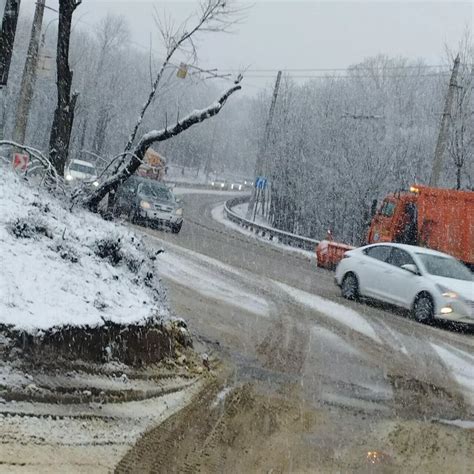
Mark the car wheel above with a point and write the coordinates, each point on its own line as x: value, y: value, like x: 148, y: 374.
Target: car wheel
x: 350, y: 287
x: 176, y: 228
x: 423, y: 308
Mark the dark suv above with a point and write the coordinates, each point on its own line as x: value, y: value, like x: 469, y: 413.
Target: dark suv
x: 147, y: 201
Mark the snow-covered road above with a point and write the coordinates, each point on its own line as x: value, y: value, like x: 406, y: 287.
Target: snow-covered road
x: 383, y: 380
x: 373, y: 353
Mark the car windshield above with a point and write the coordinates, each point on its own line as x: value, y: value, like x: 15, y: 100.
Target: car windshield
x: 445, y: 267
x: 86, y: 169
x: 159, y: 192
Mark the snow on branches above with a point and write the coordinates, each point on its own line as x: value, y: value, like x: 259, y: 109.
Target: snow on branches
x: 136, y: 157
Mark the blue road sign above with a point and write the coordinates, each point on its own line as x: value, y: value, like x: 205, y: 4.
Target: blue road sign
x: 261, y: 182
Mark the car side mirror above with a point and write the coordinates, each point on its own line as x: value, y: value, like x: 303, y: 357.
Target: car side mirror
x: 410, y: 267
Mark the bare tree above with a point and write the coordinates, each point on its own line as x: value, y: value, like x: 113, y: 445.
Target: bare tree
x: 112, y: 34
x: 64, y: 113
x: 213, y: 16
x: 461, y: 124
x: 156, y: 136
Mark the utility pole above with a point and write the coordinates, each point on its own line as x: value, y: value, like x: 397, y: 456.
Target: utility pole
x: 444, y: 127
x: 29, y: 75
x: 7, y: 38
x: 261, y: 165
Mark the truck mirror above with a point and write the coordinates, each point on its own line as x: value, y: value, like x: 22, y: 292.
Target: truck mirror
x: 373, y: 209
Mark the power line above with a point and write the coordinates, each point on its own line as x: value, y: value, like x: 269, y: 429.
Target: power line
x: 348, y: 76
x: 352, y: 68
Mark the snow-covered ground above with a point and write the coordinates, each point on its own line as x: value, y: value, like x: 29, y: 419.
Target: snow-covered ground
x: 87, y: 437
x: 242, y: 209
x: 69, y: 267
x: 338, y: 312
x: 461, y: 366
x: 209, y: 282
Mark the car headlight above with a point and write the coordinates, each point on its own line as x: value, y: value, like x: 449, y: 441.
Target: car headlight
x: 212, y: 183
x: 95, y: 183
x: 222, y: 185
x: 145, y: 205
x: 446, y: 292
x: 179, y: 212
x: 69, y: 177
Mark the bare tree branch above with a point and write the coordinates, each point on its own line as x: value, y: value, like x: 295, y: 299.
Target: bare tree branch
x: 148, y: 139
x: 212, y: 18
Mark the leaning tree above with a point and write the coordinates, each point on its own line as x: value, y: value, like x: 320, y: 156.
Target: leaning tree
x: 213, y: 16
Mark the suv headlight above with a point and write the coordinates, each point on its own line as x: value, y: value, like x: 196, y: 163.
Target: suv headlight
x: 446, y: 292
x: 95, y: 183
x: 145, y: 205
x: 179, y: 212
x: 69, y: 177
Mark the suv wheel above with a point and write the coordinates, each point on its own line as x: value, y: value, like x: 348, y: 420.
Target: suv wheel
x: 350, y: 287
x: 423, y: 308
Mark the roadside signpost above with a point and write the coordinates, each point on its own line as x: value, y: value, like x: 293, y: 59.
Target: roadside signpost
x: 261, y: 183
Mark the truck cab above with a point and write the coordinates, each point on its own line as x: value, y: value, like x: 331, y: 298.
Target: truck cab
x: 395, y: 221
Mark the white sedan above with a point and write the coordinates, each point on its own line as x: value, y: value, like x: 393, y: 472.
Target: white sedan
x: 430, y: 284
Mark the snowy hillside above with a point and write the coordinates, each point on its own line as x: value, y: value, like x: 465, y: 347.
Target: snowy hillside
x: 70, y: 268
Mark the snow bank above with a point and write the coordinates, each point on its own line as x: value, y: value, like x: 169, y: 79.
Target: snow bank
x: 461, y: 367
x: 338, y: 312
x: 211, y: 283
x: 69, y: 268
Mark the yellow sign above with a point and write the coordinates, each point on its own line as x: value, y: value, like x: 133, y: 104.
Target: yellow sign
x: 182, y: 71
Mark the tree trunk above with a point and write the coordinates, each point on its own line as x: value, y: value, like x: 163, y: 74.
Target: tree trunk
x: 64, y: 113
x: 458, y: 176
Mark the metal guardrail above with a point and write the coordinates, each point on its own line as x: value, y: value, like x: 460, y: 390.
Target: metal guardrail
x: 183, y: 184
x: 206, y: 186
x: 286, y: 238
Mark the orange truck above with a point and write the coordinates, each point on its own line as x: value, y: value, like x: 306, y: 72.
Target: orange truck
x: 440, y: 219
x: 153, y: 167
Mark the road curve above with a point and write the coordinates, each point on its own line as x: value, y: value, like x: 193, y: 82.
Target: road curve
x: 373, y: 371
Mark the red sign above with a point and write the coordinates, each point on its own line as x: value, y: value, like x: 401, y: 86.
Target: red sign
x: 20, y: 162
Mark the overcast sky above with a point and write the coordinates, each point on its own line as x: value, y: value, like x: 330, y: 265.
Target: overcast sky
x: 302, y: 35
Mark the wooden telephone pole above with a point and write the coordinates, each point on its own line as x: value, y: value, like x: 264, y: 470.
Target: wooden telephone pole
x: 29, y: 75
x: 261, y: 165
x: 444, y: 127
